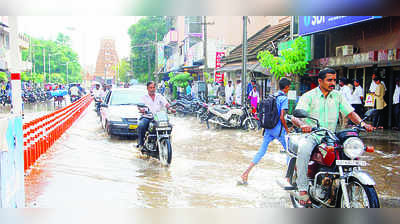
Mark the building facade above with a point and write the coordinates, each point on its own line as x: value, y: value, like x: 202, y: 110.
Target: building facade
x: 355, y: 46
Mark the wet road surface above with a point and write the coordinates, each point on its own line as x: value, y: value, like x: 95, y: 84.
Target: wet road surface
x: 87, y: 168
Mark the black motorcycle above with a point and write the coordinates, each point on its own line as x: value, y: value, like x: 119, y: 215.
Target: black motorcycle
x: 157, y: 140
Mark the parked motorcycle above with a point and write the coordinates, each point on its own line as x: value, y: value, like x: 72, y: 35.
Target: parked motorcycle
x: 184, y: 106
x: 235, y: 117
x: 157, y: 141
x: 334, y: 172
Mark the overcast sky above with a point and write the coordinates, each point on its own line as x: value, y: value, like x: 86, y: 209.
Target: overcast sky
x: 85, y: 32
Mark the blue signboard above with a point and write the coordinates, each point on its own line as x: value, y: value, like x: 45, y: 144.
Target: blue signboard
x: 314, y: 24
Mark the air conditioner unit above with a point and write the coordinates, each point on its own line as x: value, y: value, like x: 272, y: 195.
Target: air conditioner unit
x: 344, y: 50
x: 339, y: 51
x: 347, y: 50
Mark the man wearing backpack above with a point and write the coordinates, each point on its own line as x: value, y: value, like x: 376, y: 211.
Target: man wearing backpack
x: 278, y: 105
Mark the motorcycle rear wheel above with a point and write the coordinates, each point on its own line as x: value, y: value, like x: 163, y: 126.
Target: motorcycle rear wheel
x: 360, y: 195
x: 165, y: 152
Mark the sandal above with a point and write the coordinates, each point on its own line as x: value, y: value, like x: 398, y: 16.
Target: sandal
x: 304, y: 199
x: 241, y: 183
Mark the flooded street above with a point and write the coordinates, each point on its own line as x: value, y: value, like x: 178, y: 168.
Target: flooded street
x: 85, y: 167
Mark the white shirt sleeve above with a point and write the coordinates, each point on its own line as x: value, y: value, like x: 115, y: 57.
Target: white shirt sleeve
x: 163, y: 101
x: 372, y: 88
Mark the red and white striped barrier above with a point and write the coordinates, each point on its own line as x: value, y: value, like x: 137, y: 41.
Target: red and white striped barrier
x: 41, y: 133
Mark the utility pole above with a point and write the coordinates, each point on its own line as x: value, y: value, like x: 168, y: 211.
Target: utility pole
x: 149, y: 67
x: 156, y: 60
x: 205, y: 46
x: 44, y: 65
x: 105, y: 67
x: 244, y: 60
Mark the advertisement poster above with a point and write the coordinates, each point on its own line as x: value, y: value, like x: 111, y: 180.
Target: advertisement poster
x: 369, y: 100
x: 219, y: 76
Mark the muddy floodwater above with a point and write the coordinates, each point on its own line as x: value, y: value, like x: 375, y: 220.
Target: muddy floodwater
x: 86, y: 167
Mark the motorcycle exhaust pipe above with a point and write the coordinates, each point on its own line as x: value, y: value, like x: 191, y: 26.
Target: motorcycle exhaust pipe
x: 217, y: 122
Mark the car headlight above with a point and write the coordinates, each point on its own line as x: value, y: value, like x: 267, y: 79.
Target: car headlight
x: 353, y: 147
x: 115, y: 118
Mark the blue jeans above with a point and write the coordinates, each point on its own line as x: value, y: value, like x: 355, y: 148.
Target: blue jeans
x: 143, y: 126
x: 264, y: 146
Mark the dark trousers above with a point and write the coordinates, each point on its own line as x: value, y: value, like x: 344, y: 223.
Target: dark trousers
x: 358, y: 108
x: 378, y: 118
x: 397, y: 115
x: 143, y: 126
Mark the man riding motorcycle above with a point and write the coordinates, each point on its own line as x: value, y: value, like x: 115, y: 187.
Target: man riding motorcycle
x: 74, y: 93
x: 155, y: 102
x: 324, y: 103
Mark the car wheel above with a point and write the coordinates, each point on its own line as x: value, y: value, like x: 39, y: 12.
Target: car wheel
x: 108, y: 128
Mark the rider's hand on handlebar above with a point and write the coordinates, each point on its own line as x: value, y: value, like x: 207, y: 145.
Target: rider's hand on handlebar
x: 305, y: 128
x: 142, y: 110
x: 172, y: 110
x: 368, y: 127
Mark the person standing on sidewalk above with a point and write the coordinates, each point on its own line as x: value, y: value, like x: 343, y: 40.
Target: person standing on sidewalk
x: 346, y: 92
x: 238, y: 93
x: 278, y: 132
x: 356, y: 98
x: 372, y: 87
x: 380, y: 102
x: 396, y: 104
x: 229, y: 93
x: 221, y: 93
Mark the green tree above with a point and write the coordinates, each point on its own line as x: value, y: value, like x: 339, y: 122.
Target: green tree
x: 124, y: 70
x: 179, y: 80
x: 61, y: 54
x: 208, y: 78
x: 291, y: 61
x: 24, y: 77
x: 3, y: 76
x: 143, y: 35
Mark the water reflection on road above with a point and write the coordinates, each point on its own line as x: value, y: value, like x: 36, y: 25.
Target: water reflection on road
x: 88, y: 168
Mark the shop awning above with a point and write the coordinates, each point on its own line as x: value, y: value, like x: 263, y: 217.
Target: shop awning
x: 252, y: 67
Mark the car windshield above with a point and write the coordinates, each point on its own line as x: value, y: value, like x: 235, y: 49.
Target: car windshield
x: 126, y: 97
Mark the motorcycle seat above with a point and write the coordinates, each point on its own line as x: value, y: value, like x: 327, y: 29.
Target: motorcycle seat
x: 222, y: 110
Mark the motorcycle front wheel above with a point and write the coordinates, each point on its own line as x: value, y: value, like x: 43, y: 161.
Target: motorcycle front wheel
x: 360, y: 195
x: 250, y: 124
x: 165, y: 152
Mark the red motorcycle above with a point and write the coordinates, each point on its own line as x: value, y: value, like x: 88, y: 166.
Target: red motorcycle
x: 334, y: 173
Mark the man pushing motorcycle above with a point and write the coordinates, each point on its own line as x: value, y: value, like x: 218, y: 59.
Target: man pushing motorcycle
x: 155, y: 102
x: 323, y: 103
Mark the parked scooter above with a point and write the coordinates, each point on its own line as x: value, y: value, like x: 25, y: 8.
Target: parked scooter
x: 239, y: 117
x: 334, y: 172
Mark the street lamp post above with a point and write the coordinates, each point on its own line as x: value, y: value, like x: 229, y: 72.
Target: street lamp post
x: 49, y: 64
x: 67, y: 64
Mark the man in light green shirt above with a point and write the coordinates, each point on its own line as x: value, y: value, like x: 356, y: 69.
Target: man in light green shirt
x: 323, y: 103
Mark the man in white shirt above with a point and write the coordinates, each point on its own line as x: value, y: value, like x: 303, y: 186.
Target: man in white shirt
x: 238, y: 93
x: 346, y: 92
x: 74, y: 91
x: 396, y: 103
x: 356, y: 98
x: 155, y: 102
x: 372, y: 87
x: 229, y: 92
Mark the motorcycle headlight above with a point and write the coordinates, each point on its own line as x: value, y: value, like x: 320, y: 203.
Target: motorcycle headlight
x: 163, y: 123
x: 353, y: 147
x: 115, y: 118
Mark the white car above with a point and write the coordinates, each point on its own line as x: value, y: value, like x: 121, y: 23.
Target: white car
x: 119, y: 113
